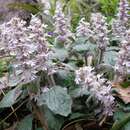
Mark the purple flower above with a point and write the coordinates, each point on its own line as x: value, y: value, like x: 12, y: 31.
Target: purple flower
x: 62, y: 24
x: 100, y: 30
x: 98, y: 87
x: 27, y: 46
x: 123, y: 11
x: 84, y: 29
x: 51, y: 33
x: 119, y: 26
x: 122, y: 67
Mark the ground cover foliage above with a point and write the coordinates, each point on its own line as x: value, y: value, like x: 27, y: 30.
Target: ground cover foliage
x: 67, y: 65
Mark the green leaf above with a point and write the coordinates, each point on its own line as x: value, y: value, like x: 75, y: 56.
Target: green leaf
x: 127, y: 126
x: 54, y: 121
x: 65, y: 79
x: 63, y: 74
x: 118, y: 125
x: 25, y: 124
x: 84, y: 47
x: 110, y: 57
x: 60, y: 54
x: 113, y: 48
x: 57, y: 100
x: 78, y: 92
x: 118, y: 115
x: 109, y: 8
x: 10, y: 98
x: 80, y: 40
x: 125, y: 84
x: 122, y: 121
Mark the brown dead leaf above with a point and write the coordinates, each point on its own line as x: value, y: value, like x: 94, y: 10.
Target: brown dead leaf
x: 123, y: 93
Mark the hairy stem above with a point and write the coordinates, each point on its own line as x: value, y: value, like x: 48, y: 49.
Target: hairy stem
x: 40, y: 116
x: 100, y: 56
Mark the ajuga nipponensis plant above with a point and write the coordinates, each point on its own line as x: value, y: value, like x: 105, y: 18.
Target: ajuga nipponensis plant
x: 26, y: 45
x: 99, y: 25
x: 122, y: 66
x: 84, y: 29
x: 119, y: 26
x: 122, y: 14
x: 99, y: 88
x: 62, y: 24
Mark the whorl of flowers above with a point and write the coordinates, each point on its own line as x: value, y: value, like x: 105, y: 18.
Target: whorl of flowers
x: 83, y: 29
x: 99, y: 26
x: 97, y: 86
x: 26, y: 45
x: 119, y: 30
x: 120, y: 23
x: 122, y: 66
x: 123, y: 11
x: 62, y: 24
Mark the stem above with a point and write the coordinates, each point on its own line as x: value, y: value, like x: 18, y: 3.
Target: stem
x: 103, y: 120
x: 100, y: 56
x: 40, y: 116
x: 52, y: 80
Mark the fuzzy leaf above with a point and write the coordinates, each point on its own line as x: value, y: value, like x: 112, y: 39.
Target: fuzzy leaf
x: 110, y: 57
x: 10, y: 98
x: 127, y: 126
x: 60, y: 54
x: 57, y: 100
x: 25, y: 124
x: 84, y: 47
x: 122, y: 121
x: 54, y: 121
x: 78, y: 92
